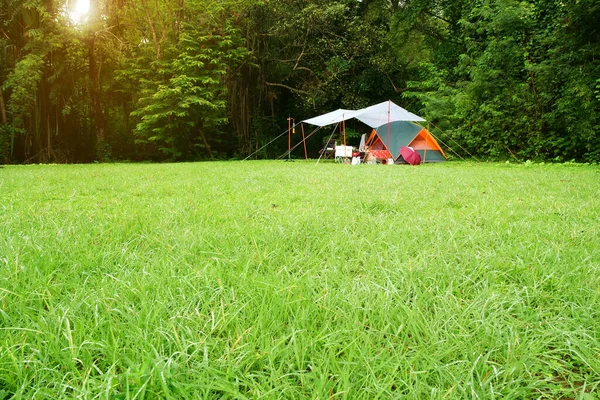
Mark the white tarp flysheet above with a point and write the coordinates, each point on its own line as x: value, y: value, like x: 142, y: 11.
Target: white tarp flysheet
x: 332, y: 117
x: 374, y: 116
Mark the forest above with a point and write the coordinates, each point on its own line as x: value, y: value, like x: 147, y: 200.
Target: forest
x: 184, y: 80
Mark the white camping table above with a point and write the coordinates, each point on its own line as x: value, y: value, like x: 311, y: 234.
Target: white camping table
x: 343, y: 151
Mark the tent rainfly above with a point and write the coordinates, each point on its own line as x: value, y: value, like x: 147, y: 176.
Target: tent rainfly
x: 393, y: 128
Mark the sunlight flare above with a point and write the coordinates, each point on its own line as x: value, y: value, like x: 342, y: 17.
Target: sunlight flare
x: 80, y: 11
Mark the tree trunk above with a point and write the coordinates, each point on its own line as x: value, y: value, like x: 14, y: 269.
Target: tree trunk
x: 153, y: 30
x: 48, y: 134
x: 179, y: 18
x: 95, y: 66
x: 206, y: 145
x: 4, y: 120
x: 45, y: 109
x: 2, y: 108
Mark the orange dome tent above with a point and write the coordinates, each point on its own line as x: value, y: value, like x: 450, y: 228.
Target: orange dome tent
x: 386, y: 140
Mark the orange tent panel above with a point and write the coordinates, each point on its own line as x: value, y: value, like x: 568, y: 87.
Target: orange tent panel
x: 424, y: 141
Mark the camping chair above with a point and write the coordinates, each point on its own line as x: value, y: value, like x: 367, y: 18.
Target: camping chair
x: 328, y: 149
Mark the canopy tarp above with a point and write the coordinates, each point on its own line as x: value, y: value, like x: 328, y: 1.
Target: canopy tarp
x: 332, y: 117
x: 374, y: 116
x: 377, y: 115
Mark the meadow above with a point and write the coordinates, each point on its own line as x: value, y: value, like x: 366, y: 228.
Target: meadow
x: 271, y: 279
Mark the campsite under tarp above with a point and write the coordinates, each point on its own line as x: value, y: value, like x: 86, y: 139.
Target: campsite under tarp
x: 404, y: 133
x: 393, y: 128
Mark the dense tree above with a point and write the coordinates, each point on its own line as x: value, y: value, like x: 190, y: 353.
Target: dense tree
x: 316, y: 56
x: 523, y: 84
x: 190, y: 101
x: 193, y: 79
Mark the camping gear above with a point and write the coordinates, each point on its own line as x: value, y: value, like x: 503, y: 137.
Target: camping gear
x: 410, y: 155
x: 332, y: 117
x: 381, y: 154
x: 373, y: 116
x: 328, y: 149
x: 361, y: 146
x: 393, y: 136
x: 385, y: 112
x: 343, y: 152
x: 393, y: 128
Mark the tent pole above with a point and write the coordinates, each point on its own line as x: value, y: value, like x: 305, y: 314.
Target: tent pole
x: 289, y: 138
x: 304, y: 141
x: 291, y: 130
x: 332, y: 133
x: 389, y: 139
x: 307, y: 137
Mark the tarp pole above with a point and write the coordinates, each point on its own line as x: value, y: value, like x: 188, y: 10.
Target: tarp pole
x: 332, y: 133
x: 300, y: 142
x: 389, y: 134
x: 304, y: 141
x: 289, y: 138
x: 344, y: 125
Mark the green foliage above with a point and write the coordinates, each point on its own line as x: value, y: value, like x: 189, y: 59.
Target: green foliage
x: 331, y: 54
x: 103, y: 151
x: 195, y: 79
x: 522, y: 86
x: 192, y: 99
x: 23, y: 82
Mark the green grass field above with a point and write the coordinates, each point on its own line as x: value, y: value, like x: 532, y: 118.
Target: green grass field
x: 296, y: 280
